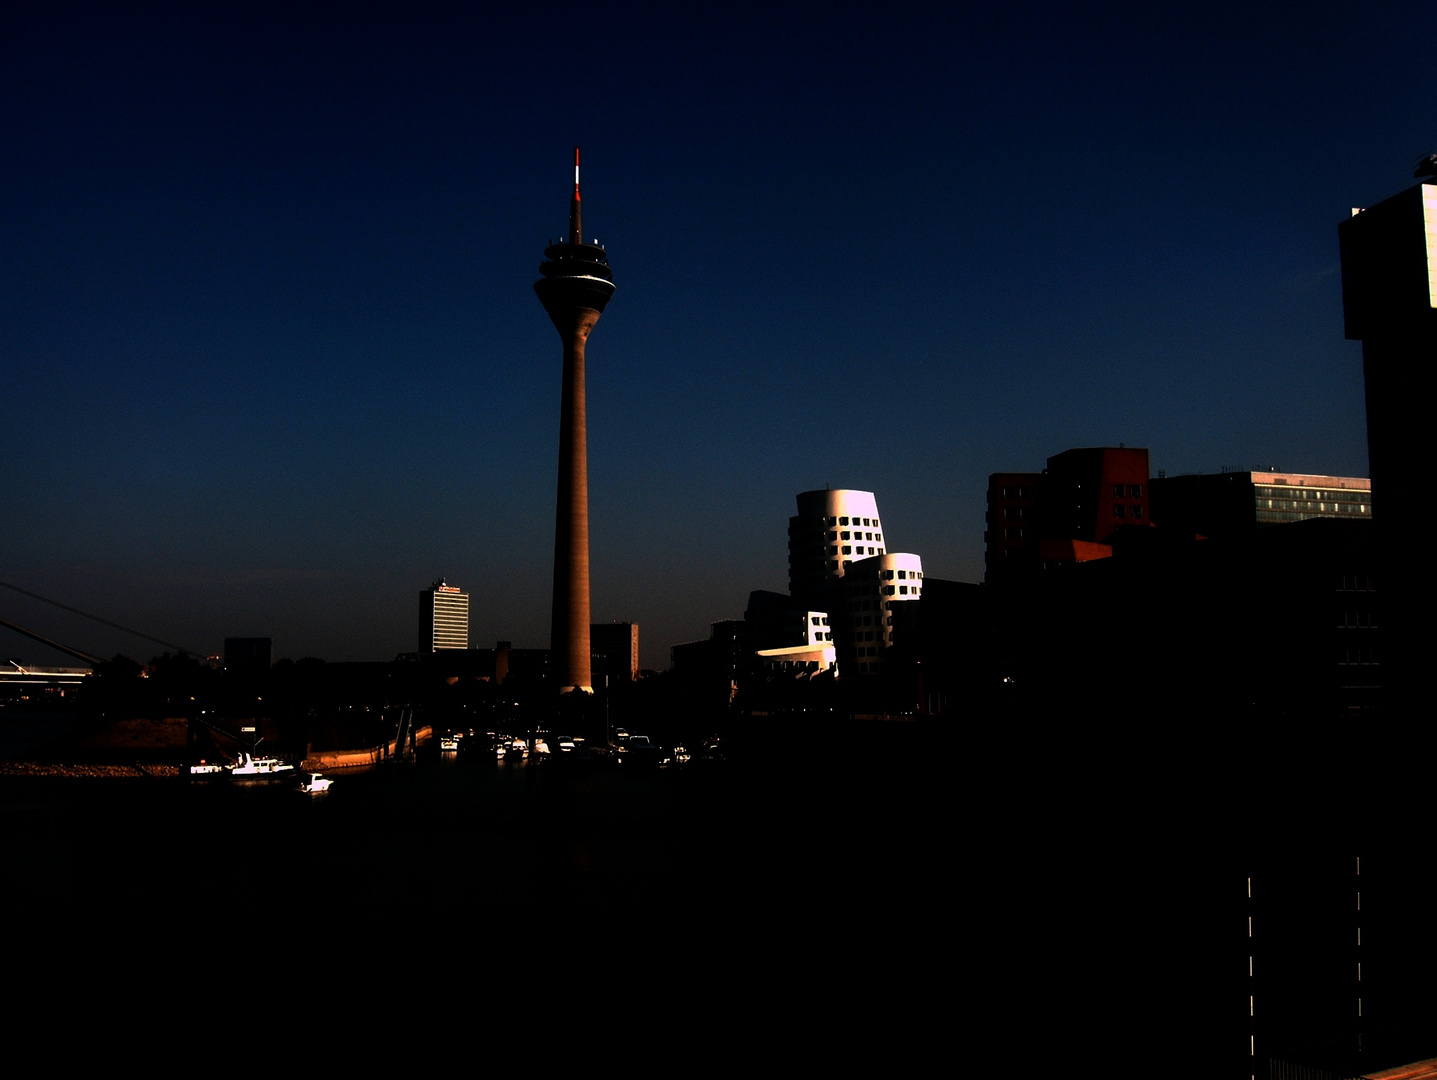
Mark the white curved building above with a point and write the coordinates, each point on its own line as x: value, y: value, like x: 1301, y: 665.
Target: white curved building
x: 839, y: 563
x: 872, y: 591
x: 832, y: 530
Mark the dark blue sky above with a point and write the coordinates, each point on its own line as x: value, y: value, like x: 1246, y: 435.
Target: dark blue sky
x: 272, y: 361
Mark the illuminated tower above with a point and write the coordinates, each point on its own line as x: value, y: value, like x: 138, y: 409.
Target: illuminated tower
x: 575, y: 286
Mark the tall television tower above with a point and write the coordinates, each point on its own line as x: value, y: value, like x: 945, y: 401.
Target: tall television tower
x: 575, y: 286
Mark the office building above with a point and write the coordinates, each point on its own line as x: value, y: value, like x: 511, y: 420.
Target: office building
x: 1229, y: 503
x: 615, y: 656
x: 871, y: 594
x: 844, y: 582
x: 1389, y: 300
x: 797, y: 660
x: 1066, y: 514
x: 711, y: 668
x: 1088, y: 493
x: 832, y: 529
x: 777, y: 621
x: 1010, y: 536
x: 443, y: 618
x: 575, y: 286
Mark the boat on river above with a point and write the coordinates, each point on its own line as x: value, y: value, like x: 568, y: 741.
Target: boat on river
x: 314, y: 783
x: 260, y: 769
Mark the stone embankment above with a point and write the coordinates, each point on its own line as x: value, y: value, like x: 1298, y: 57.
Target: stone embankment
x: 330, y: 759
x: 87, y: 772
x: 348, y: 759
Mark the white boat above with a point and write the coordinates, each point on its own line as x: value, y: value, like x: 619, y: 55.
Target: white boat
x: 253, y: 768
x: 314, y: 783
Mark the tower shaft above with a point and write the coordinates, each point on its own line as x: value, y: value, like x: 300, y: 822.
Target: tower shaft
x: 569, y: 645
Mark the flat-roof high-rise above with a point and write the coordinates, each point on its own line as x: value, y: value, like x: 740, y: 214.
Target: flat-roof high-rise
x: 1389, y: 300
x: 443, y: 618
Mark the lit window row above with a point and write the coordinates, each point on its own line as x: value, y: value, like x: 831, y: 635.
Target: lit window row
x: 1350, y: 506
x: 1349, y: 495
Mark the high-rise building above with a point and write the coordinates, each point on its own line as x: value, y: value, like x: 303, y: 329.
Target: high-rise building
x: 443, y: 618
x: 1389, y: 300
x: 575, y: 286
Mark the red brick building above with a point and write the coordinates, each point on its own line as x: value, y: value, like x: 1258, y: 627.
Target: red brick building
x: 1067, y: 513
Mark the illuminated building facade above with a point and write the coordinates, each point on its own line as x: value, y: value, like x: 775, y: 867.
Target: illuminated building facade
x: 831, y: 531
x: 872, y: 591
x: 843, y: 578
x: 797, y: 660
x: 443, y: 618
x: 1222, y: 504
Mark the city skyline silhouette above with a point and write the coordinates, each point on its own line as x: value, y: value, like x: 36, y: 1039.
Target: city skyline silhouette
x: 274, y: 364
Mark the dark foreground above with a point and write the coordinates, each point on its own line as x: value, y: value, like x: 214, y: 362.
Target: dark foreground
x: 1071, y: 898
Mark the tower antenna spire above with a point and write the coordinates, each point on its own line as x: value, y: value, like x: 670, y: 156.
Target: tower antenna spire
x: 576, y: 222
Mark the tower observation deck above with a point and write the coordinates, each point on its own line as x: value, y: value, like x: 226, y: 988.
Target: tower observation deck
x: 575, y: 285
